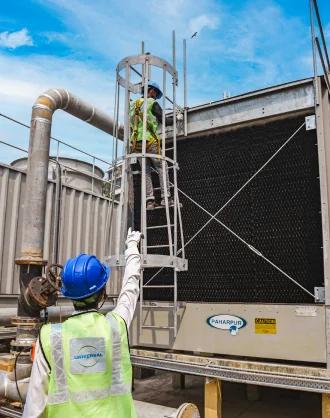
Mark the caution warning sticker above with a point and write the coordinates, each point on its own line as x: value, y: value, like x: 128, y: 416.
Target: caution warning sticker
x: 265, y: 325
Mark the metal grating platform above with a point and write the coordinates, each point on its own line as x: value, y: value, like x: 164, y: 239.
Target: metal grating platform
x: 278, y: 213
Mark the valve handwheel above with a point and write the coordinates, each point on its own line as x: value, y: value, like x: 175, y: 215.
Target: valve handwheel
x: 53, y: 275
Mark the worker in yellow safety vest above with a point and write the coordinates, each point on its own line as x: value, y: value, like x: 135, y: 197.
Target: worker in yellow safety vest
x: 82, y: 366
x: 153, y: 143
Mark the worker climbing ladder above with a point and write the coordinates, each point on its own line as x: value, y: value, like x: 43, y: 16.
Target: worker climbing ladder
x: 162, y: 243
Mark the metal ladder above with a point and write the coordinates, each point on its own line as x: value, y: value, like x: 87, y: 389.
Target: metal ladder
x: 166, y: 220
x: 172, y: 222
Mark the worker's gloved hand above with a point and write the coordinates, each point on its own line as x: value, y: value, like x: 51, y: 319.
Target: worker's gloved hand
x: 133, y: 238
x: 179, y: 115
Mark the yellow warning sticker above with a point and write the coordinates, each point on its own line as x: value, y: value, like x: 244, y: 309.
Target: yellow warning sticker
x: 265, y: 325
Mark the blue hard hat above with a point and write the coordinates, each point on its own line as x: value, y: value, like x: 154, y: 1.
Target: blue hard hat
x: 82, y: 276
x: 155, y: 86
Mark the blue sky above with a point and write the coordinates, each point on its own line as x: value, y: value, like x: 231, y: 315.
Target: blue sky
x: 241, y: 45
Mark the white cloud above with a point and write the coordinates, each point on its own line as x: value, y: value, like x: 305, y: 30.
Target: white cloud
x: 125, y: 27
x: 24, y: 78
x: 64, y: 38
x: 171, y: 8
x: 198, y: 23
x: 13, y: 40
x: 258, y: 45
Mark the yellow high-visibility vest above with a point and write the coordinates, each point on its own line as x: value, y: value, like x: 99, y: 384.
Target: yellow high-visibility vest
x: 136, y: 118
x: 90, y: 367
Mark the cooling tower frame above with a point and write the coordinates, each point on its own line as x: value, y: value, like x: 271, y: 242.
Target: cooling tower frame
x: 296, y: 332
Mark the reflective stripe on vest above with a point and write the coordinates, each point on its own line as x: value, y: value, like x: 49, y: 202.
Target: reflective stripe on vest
x: 62, y: 394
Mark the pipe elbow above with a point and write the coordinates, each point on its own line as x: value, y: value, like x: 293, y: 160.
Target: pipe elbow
x: 8, y: 388
x: 49, y: 101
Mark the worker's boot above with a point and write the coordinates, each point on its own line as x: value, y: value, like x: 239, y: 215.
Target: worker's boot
x: 170, y: 202
x: 151, y: 205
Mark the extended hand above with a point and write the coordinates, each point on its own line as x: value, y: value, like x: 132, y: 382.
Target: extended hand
x: 133, y: 237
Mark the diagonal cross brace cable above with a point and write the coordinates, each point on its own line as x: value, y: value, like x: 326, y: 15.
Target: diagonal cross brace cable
x: 251, y: 247
x: 233, y: 196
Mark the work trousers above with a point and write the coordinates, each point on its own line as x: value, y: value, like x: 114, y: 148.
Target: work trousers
x: 155, y: 164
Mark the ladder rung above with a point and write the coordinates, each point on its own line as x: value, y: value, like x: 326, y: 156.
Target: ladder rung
x: 169, y: 149
x: 160, y: 246
x: 170, y: 186
x: 155, y: 286
x: 158, y: 306
x: 156, y: 326
x: 158, y: 226
x: 161, y: 207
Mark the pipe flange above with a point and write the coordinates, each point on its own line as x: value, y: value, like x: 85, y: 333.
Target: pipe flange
x: 40, y: 293
x: 27, y: 342
x: 26, y: 322
x: 23, y: 348
x: 188, y: 410
x: 31, y: 261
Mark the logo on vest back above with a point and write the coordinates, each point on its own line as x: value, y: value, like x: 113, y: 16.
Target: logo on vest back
x: 88, y: 356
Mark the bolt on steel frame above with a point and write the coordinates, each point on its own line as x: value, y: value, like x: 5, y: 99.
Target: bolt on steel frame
x: 173, y: 221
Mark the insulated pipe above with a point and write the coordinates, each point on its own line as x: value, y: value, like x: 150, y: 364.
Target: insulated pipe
x: 149, y: 410
x: 55, y: 313
x: 57, y: 212
x: 37, y: 172
x: 8, y: 388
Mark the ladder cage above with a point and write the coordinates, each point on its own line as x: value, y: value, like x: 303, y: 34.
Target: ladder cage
x: 162, y: 242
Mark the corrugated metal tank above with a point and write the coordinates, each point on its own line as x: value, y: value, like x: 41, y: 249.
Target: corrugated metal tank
x: 75, y: 173
x: 84, y: 220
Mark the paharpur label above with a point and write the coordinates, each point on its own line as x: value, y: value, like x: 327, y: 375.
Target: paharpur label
x: 231, y: 323
x: 265, y: 325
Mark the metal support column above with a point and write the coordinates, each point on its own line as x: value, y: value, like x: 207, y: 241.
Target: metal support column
x: 323, y: 141
x: 213, y: 398
x: 325, y: 405
x: 185, y: 93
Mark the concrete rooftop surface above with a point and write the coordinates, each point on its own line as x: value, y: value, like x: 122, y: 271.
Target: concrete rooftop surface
x: 273, y: 403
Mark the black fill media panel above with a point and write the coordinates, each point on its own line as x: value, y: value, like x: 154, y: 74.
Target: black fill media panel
x: 278, y: 213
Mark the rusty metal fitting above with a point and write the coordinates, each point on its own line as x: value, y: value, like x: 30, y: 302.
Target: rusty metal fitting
x: 36, y: 261
x: 40, y: 293
x: 23, y: 348
x: 26, y: 322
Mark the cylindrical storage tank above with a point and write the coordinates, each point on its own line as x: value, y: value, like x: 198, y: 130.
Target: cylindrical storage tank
x: 117, y: 175
x: 75, y: 173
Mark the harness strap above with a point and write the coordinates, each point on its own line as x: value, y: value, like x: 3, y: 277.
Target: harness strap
x: 137, y: 112
x: 139, y: 115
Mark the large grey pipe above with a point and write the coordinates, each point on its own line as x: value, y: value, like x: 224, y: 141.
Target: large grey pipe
x: 37, y: 172
x: 55, y: 313
x: 149, y: 410
x: 8, y: 387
